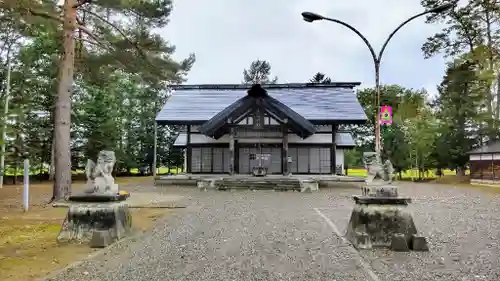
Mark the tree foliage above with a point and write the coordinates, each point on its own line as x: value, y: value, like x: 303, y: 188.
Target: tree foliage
x: 121, y: 71
x: 472, y: 32
x: 259, y: 72
x: 401, y: 138
x: 320, y: 78
x: 461, y: 98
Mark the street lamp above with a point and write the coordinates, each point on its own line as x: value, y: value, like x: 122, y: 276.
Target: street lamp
x: 311, y: 17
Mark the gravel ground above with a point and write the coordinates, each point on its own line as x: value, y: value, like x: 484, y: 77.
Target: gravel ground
x: 267, y: 235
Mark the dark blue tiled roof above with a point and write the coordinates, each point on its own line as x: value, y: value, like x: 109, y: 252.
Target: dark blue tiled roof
x: 314, y: 103
x: 491, y: 147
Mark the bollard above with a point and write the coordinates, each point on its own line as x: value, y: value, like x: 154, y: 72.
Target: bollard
x: 26, y: 190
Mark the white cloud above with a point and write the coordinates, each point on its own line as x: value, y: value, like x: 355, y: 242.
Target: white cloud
x: 227, y: 35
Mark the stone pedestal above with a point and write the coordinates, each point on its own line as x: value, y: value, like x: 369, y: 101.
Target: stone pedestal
x: 380, y: 218
x: 86, y: 222
x: 98, y: 197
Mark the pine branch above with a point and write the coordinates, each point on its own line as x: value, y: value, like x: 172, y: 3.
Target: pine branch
x: 134, y: 44
x: 97, y: 44
x: 114, y: 27
x: 81, y: 3
x: 82, y: 28
x: 44, y: 15
x: 97, y: 40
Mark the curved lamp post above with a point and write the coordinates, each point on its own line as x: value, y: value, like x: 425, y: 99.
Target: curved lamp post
x: 310, y: 17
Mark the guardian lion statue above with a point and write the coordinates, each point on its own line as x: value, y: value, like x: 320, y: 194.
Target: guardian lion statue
x: 375, y: 169
x: 99, y: 178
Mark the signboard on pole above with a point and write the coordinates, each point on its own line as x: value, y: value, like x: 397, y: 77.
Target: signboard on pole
x: 386, y: 115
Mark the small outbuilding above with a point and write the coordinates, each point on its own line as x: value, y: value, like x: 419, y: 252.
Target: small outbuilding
x: 484, y: 164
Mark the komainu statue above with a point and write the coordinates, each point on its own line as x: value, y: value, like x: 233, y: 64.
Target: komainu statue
x: 375, y: 169
x: 99, y: 178
x: 388, y: 171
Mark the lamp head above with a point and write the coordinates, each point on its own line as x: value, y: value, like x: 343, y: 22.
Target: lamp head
x: 442, y: 8
x: 310, y: 17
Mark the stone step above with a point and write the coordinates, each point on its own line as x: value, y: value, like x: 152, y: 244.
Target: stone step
x: 287, y: 187
x: 181, y: 182
x: 258, y: 186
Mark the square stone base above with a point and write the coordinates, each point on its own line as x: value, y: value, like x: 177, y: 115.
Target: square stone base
x: 82, y: 220
x: 380, y: 223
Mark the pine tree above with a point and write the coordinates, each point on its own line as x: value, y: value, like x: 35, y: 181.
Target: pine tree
x: 96, y: 41
x: 259, y: 72
x: 320, y: 78
x: 461, y: 94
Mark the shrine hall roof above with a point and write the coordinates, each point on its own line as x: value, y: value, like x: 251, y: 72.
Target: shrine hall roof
x: 318, y: 103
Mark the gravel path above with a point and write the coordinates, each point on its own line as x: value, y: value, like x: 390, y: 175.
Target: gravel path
x: 267, y: 235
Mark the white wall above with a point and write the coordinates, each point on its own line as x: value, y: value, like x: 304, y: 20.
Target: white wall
x: 339, y: 158
x: 484, y: 157
x: 292, y: 138
x: 319, y: 128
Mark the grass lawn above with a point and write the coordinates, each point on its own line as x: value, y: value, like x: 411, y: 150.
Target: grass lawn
x: 28, y: 246
x: 360, y: 172
x: 406, y: 175
x: 161, y: 170
x: 351, y: 172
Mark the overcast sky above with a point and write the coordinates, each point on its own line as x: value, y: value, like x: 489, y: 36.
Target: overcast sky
x: 227, y: 35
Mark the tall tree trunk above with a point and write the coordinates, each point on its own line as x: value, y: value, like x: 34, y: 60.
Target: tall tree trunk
x: 497, y: 113
x: 489, y: 98
x: 62, y: 112
x: 16, y: 170
x: 460, y: 171
x: 52, y: 168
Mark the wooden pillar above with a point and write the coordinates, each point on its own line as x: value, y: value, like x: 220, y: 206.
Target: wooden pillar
x: 184, y: 167
x: 285, y: 164
x: 188, y: 149
x: 236, y: 162
x: 333, y: 151
x: 231, y: 152
x: 155, y: 148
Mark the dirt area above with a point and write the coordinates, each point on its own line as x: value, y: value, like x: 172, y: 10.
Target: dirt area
x: 452, y: 179
x: 28, y: 247
x: 464, y: 182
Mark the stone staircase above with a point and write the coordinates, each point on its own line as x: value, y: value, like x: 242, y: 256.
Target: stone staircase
x: 257, y: 183
x: 278, y: 184
x: 271, y: 182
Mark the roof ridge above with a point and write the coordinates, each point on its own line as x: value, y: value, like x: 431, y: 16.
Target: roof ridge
x: 265, y: 86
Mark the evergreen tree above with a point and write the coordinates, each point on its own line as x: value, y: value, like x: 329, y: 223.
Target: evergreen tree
x: 97, y: 44
x: 320, y: 78
x: 471, y: 30
x: 259, y: 72
x: 461, y: 94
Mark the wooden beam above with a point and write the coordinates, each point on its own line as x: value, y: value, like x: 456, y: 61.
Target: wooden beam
x: 188, y: 149
x: 333, y: 151
x: 286, y: 164
x: 231, y: 152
